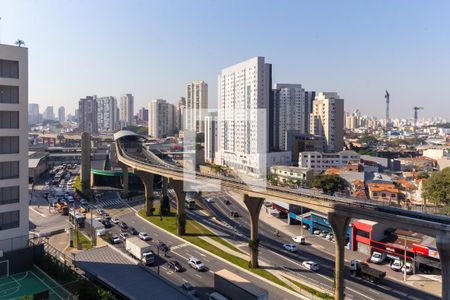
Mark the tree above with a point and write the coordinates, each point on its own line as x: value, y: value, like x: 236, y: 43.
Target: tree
x: 422, y: 175
x: 329, y: 183
x: 368, y: 140
x: 164, y: 207
x: 437, y: 188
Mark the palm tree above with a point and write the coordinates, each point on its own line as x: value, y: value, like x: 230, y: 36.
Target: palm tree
x: 19, y: 43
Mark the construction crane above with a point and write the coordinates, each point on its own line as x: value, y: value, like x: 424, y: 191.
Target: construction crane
x: 416, y: 116
x: 386, y: 96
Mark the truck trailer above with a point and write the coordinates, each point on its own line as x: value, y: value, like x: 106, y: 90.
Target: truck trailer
x: 235, y: 287
x: 140, y: 250
x: 364, y: 271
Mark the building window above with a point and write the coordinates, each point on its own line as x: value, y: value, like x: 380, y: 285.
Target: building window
x: 9, y: 119
x: 362, y: 233
x: 9, y: 195
x: 9, y: 220
x: 9, y: 94
x: 9, y: 68
x: 9, y: 144
x: 9, y: 169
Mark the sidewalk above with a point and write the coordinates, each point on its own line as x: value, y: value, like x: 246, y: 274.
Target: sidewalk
x: 431, y: 284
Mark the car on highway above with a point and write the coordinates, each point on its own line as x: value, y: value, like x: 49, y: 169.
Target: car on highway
x: 144, y: 236
x: 115, y: 239
x: 209, y: 200
x: 323, y: 233
x: 310, y: 265
x: 290, y: 247
x: 84, y: 202
x: 234, y: 214
x: 299, y: 239
x: 115, y: 220
x: 106, y: 216
x: 397, y: 265
x: 175, y: 265
x: 123, y: 225
x: 106, y: 223
x: 329, y: 236
x: 162, y: 246
x: 124, y: 235
x: 196, y: 264
x: 188, y: 288
x: 100, y: 211
x: 133, y: 231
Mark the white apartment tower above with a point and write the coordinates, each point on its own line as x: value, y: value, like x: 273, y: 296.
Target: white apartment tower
x: 210, y: 137
x: 327, y: 120
x: 61, y: 114
x: 107, y: 114
x: 161, y: 118
x: 126, y: 109
x: 196, y: 105
x: 14, y: 222
x: 292, y: 109
x: 243, y: 118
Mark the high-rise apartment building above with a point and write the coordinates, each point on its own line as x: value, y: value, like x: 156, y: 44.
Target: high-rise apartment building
x: 126, y: 109
x: 160, y: 118
x: 327, y: 120
x: 180, y: 110
x: 243, y: 118
x: 33, y: 113
x: 292, y: 109
x: 14, y: 224
x: 107, y: 114
x: 143, y: 115
x: 210, y: 137
x: 88, y: 115
x: 49, y: 114
x: 61, y: 114
x: 196, y: 106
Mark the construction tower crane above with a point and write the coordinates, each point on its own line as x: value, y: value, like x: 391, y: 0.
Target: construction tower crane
x: 416, y: 116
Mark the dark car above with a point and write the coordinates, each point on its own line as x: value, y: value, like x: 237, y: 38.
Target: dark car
x: 106, y: 216
x: 107, y: 223
x: 133, y: 231
x: 123, y: 225
x: 227, y: 202
x: 176, y: 266
x: 234, y: 214
x: 162, y: 246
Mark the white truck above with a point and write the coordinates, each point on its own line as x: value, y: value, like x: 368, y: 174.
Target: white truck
x: 140, y: 250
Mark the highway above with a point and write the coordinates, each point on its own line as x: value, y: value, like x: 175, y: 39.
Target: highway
x: 181, y: 251
x: 271, y: 252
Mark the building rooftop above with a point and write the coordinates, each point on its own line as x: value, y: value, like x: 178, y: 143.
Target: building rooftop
x: 381, y: 187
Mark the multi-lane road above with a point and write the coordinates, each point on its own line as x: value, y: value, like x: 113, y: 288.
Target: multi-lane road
x: 180, y: 251
x: 271, y: 252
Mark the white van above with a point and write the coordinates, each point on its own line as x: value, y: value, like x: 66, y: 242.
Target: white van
x: 217, y: 296
x: 378, y: 257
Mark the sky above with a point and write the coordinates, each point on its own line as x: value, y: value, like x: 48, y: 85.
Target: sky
x: 152, y: 49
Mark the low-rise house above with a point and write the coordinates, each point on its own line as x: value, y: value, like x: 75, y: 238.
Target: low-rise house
x: 292, y: 174
x: 322, y: 161
x: 385, y: 192
x: 420, y: 163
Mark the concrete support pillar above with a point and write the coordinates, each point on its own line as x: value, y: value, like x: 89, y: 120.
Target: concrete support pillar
x: 85, y: 172
x: 125, y: 178
x: 253, y: 205
x: 443, y: 246
x: 147, y: 180
x: 180, y: 195
x: 339, y: 225
x: 164, y: 184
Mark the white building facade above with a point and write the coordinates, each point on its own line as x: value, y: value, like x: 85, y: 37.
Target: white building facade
x: 161, y: 118
x: 126, y: 110
x: 210, y: 137
x: 107, y: 114
x: 327, y: 120
x: 243, y: 118
x: 196, y: 106
x: 322, y: 161
x: 14, y: 222
x: 292, y: 109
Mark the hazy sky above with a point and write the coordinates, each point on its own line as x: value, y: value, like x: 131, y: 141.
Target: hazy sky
x: 153, y: 48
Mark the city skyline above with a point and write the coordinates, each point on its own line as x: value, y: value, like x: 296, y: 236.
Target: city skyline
x: 379, y: 46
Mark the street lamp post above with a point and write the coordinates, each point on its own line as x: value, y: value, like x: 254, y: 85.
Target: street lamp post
x: 404, y: 262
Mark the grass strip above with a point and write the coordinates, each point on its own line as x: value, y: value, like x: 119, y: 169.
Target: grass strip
x: 194, y: 231
x: 84, y: 241
x: 311, y: 290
